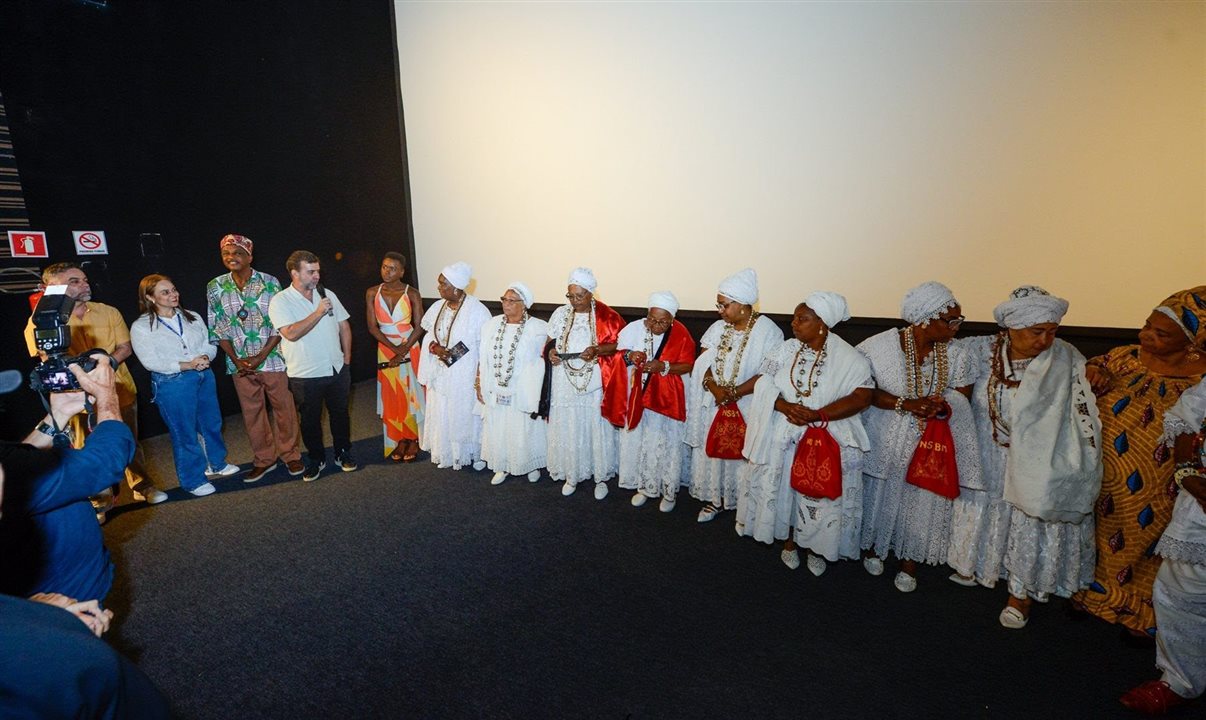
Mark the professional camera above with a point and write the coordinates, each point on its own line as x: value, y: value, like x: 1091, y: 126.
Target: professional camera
x: 52, y: 336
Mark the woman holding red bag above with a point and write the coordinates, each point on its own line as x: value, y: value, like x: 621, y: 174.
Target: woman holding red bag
x: 918, y: 375
x: 805, y: 441
x: 1030, y: 520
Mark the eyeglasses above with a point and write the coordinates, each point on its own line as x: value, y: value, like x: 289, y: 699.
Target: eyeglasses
x: 508, y: 301
x: 724, y: 306
x: 953, y: 322
x: 659, y: 323
x: 577, y: 298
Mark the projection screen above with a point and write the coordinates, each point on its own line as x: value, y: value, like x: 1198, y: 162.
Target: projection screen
x: 856, y: 147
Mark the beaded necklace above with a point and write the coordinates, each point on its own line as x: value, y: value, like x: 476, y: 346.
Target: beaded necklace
x: 805, y: 386
x: 914, y: 388
x: 725, y: 347
x: 998, y: 383
x: 498, y: 345
x: 579, y: 377
x: 448, y: 338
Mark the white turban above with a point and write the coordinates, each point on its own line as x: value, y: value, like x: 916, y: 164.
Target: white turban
x: 665, y: 300
x: 741, y: 286
x: 926, y: 302
x: 583, y: 277
x: 829, y: 306
x: 1029, y: 305
x: 523, y: 292
x: 457, y: 274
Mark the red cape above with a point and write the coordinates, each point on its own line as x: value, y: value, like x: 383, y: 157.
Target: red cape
x: 608, y: 324
x: 664, y: 393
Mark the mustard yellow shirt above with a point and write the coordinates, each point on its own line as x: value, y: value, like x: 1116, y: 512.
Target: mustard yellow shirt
x: 102, y: 326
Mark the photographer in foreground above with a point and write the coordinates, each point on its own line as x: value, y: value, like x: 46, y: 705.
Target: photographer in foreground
x: 49, y: 539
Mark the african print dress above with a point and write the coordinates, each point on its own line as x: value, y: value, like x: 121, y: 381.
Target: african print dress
x: 399, y: 394
x: 1137, y: 490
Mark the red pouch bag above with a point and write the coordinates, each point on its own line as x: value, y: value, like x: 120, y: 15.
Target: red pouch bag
x: 816, y: 471
x: 726, y: 437
x: 933, y: 465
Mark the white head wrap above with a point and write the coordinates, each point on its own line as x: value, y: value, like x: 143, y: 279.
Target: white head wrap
x: 1029, y: 305
x: 523, y: 292
x: 665, y: 300
x: 457, y: 274
x: 741, y: 286
x: 583, y: 277
x: 829, y: 306
x: 926, y: 302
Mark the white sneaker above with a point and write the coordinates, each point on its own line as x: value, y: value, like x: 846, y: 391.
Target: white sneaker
x: 816, y: 564
x: 873, y: 566
x: 790, y: 558
x: 226, y: 471
x: 534, y: 476
x: 600, y: 490
x: 638, y: 500
x: 905, y: 582
x: 154, y: 496
x: 499, y: 478
x: 568, y: 488
x: 667, y: 504
x: 203, y: 489
x: 479, y: 465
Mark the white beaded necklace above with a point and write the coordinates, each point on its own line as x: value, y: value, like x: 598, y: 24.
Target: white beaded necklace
x: 499, y: 379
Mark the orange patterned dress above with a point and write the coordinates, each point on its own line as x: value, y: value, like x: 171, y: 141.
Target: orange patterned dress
x: 1137, y: 490
x: 399, y: 394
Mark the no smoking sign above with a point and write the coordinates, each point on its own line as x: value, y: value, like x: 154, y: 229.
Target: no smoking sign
x: 90, y: 242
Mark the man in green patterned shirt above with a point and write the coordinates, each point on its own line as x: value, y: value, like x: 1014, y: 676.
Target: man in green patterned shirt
x: 239, y: 324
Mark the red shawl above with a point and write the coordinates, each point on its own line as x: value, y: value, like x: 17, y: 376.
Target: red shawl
x: 663, y: 393
x: 608, y: 325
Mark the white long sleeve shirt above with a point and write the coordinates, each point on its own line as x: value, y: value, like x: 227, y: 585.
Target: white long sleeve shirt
x: 161, y: 344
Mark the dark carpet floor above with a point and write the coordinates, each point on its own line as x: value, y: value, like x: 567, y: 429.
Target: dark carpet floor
x: 403, y: 591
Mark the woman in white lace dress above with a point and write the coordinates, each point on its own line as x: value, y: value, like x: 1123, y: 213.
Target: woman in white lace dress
x: 447, y: 369
x: 814, y: 377
x: 917, y: 374
x: 730, y: 358
x: 586, y: 401
x: 659, y: 353
x: 510, y: 376
x: 1030, y: 519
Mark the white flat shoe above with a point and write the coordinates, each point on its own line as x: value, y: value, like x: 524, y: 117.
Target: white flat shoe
x: 638, y: 500
x: 1013, y: 618
x: 667, y: 504
x: 568, y: 488
x: 479, y: 465
x: 873, y: 566
x: 790, y: 558
x: 961, y: 580
x: 708, y: 513
x: 499, y: 478
x: 905, y: 582
x: 600, y: 490
x: 816, y: 565
x: 534, y: 476
x: 225, y: 471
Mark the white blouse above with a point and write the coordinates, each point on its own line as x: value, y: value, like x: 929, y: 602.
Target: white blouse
x: 162, y: 344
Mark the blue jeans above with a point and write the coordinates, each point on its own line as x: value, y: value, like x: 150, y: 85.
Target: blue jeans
x: 188, y: 404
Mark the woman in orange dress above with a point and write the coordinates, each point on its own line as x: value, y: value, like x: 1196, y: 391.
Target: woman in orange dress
x: 1135, y: 385
x: 391, y: 308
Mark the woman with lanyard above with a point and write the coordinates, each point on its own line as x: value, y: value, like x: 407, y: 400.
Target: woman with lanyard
x: 730, y: 358
x: 815, y: 378
x: 509, y: 378
x: 452, y: 433
x: 173, y: 344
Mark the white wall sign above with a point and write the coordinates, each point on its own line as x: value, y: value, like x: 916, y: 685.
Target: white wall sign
x: 90, y: 242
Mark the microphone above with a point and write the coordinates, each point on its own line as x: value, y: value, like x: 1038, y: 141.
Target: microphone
x: 322, y: 293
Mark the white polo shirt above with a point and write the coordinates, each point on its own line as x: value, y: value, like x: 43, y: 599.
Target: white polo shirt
x: 317, y: 353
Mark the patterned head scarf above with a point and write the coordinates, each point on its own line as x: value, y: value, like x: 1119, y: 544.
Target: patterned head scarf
x: 523, y: 292
x: 457, y: 274
x: 583, y: 277
x: 741, y: 286
x: 236, y: 240
x: 1028, y: 306
x: 1188, y: 310
x: 829, y: 306
x: 926, y: 302
x: 665, y: 300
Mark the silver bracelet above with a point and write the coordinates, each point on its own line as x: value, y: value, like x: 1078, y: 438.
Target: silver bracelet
x: 899, y: 408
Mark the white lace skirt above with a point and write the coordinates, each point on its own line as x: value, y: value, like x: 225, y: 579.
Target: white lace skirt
x: 581, y: 442
x: 444, y: 430
x: 1056, y: 558
x: 1179, y: 596
x: 653, y: 457
x: 979, y: 532
x: 902, y: 518
x: 512, y: 442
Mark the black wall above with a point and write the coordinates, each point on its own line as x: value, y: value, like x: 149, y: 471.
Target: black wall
x: 277, y: 120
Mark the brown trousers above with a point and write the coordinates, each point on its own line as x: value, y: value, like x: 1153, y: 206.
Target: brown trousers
x: 270, y: 437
